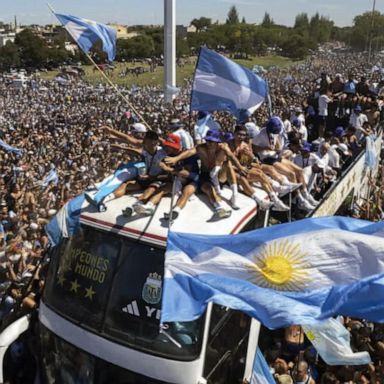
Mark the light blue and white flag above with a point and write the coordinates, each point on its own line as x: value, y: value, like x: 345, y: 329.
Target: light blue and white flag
x: 87, y: 32
x: 51, y: 177
x: 294, y: 273
x: 66, y: 222
x: 260, y: 371
x: 222, y: 85
x: 370, y: 152
x: 125, y: 172
x: 332, y: 342
x: 9, y: 148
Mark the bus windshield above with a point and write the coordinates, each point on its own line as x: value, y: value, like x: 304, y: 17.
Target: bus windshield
x: 112, y: 286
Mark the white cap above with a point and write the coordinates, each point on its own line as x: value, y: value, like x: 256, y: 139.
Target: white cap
x: 343, y: 148
x: 34, y: 226
x: 51, y: 212
x: 139, y: 128
x: 82, y: 168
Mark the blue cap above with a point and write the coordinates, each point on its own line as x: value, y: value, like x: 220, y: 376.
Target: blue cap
x: 306, y: 147
x: 228, y: 136
x: 274, y: 125
x: 358, y: 108
x: 202, y: 114
x: 296, y: 123
x: 339, y: 131
x: 213, y: 136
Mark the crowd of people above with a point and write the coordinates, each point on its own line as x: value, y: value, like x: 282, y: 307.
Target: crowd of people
x: 60, y: 140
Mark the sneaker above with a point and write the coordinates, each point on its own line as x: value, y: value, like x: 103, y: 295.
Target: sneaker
x: 127, y: 212
x: 264, y: 204
x: 234, y: 204
x: 279, y: 206
x: 143, y: 209
x: 305, y: 205
x: 222, y: 213
x: 101, y: 207
x: 283, y: 190
x: 175, y: 215
x: 293, y: 186
x: 311, y: 199
x: 90, y: 200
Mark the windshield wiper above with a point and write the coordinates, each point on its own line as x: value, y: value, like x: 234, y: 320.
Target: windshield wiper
x: 163, y: 328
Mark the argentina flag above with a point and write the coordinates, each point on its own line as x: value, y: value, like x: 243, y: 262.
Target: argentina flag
x: 294, y: 273
x: 222, y: 85
x: 87, y: 32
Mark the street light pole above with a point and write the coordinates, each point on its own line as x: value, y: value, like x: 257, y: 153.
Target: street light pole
x: 169, y: 50
x: 371, y: 30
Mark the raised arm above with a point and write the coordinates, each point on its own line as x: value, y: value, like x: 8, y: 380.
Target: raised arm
x: 122, y: 136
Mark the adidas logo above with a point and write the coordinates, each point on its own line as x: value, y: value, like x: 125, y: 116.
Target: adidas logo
x: 132, y: 309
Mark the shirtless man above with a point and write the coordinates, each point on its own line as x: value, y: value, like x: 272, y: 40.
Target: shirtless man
x: 216, y: 163
x: 242, y: 150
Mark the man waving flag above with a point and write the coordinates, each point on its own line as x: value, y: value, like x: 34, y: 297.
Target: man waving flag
x: 87, y: 32
x: 222, y: 85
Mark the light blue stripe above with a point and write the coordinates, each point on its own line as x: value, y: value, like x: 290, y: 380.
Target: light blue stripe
x: 206, y: 102
x: 212, y: 62
x: 188, y: 298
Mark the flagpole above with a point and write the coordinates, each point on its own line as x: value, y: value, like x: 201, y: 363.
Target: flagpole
x: 106, y: 77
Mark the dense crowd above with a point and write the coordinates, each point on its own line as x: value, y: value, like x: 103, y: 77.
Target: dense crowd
x: 59, y: 140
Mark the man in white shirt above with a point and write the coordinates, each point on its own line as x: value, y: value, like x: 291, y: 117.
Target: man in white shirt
x: 357, y: 120
x: 299, y: 127
x: 324, y: 100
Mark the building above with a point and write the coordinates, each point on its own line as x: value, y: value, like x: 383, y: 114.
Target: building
x: 122, y: 30
x: 5, y: 37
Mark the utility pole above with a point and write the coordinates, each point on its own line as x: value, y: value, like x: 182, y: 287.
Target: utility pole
x: 169, y: 49
x: 371, y: 30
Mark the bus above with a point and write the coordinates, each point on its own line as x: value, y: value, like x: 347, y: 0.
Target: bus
x: 99, y: 315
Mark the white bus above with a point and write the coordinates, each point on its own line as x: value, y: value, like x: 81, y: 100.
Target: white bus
x: 98, y: 319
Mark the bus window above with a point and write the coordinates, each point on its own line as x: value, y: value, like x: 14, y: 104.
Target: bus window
x: 81, y: 276
x: 226, y: 346
x: 133, y: 312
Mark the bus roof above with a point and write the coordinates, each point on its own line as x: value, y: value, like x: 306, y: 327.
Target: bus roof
x: 194, y: 218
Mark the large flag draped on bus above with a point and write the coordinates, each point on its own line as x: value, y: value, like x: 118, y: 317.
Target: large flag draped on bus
x: 295, y: 273
x: 87, y: 32
x: 222, y: 85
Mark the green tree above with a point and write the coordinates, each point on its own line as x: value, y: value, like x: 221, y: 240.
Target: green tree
x: 267, y: 20
x: 232, y: 16
x: 296, y: 46
x: 365, y: 27
x: 201, y: 23
x: 301, y: 21
x: 9, y: 56
x: 33, y: 49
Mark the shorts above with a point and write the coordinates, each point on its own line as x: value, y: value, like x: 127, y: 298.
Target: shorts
x: 271, y: 160
x: 204, y: 177
x: 144, y: 184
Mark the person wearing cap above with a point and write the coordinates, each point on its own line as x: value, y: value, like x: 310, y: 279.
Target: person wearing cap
x: 300, y: 128
x: 214, y: 158
x: 136, y: 139
x: 357, y: 119
x: 177, y: 127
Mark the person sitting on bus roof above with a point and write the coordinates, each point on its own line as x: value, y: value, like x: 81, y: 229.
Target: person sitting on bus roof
x: 186, y: 174
x: 241, y: 148
x: 268, y: 145
x: 133, y: 176
x: 212, y: 155
x: 135, y: 139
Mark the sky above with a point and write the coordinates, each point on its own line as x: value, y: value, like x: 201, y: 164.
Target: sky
x: 133, y: 12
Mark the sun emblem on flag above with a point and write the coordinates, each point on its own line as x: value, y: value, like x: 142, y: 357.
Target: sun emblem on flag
x: 280, y: 265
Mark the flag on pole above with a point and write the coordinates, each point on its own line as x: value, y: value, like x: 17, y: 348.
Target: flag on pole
x: 222, y: 85
x: 294, y: 273
x: 332, y: 342
x: 260, y: 372
x: 87, y: 32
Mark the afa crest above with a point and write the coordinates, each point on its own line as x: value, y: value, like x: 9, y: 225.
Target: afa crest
x: 151, y: 293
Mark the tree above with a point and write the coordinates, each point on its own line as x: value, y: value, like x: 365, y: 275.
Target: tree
x: 232, y: 16
x: 301, y: 21
x: 362, y: 30
x: 33, y: 49
x: 296, y: 46
x: 9, y: 56
x: 267, y: 20
x: 243, y: 20
x: 201, y: 23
